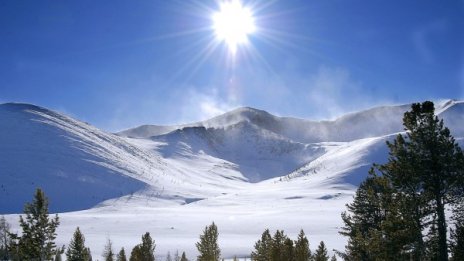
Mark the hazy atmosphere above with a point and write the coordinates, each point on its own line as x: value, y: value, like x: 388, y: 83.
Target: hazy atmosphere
x: 119, y: 64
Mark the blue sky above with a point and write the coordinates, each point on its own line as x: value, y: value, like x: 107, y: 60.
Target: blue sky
x: 119, y: 64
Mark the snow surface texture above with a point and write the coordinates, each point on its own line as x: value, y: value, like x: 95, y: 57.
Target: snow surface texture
x: 246, y: 170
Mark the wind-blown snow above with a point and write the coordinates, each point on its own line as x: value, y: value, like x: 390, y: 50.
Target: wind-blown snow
x: 246, y: 170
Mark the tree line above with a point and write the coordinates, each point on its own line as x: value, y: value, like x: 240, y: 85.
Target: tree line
x: 37, y: 242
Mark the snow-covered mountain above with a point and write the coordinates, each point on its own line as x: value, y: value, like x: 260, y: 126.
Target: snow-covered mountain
x: 247, y: 170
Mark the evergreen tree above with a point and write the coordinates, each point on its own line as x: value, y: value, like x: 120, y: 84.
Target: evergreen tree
x: 108, y: 253
x: 427, y: 166
x: 121, y: 255
x: 391, y: 212
x: 289, y: 250
x: 144, y: 251
x: 184, y: 257
x: 366, y: 216
x: 302, y: 251
x: 334, y: 258
x: 263, y: 247
x: 38, y: 231
x: 76, y: 250
x: 321, y: 253
x: 5, y: 240
x: 208, y: 245
x: 278, y: 246
x: 168, y: 256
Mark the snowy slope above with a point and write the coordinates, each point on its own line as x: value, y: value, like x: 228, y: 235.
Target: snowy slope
x: 80, y: 166
x: 247, y: 170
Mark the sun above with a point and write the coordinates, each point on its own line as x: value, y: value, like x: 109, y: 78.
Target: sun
x: 233, y: 23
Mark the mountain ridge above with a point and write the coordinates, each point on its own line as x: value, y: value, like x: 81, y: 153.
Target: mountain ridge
x: 245, y: 175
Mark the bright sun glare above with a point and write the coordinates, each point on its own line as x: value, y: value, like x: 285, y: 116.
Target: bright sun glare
x: 233, y: 23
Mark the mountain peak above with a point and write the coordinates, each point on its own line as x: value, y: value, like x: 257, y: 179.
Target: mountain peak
x: 241, y: 114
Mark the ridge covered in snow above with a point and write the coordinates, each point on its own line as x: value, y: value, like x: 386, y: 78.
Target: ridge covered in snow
x: 247, y: 170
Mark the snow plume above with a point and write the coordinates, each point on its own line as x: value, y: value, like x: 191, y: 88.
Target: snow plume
x: 197, y: 105
x: 332, y: 91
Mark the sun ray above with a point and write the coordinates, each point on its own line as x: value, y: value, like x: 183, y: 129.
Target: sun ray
x: 233, y: 23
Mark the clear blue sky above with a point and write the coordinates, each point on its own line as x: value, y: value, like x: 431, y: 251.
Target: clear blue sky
x: 119, y: 64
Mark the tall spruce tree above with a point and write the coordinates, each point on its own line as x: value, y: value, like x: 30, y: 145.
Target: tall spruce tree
x: 374, y: 223
x: 426, y: 165
x: 144, y: 251
x: 278, y: 246
x: 302, y: 250
x: 391, y: 213
x: 183, y: 257
x: 77, y: 251
x: 364, y: 216
x: 321, y: 253
x: 288, y: 252
x: 208, y: 245
x: 108, y: 253
x: 263, y: 247
x: 121, y: 255
x: 38, y: 231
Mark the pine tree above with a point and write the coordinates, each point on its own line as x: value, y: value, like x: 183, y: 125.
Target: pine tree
x: 5, y: 240
x: 121, y: 255
x: 391, y: 212
x: 334, y: 258
x: 208, y: 245
x: 183, y: 257
x: 168, y: 256
x: 76, y: 250
x: 302, y: 251
x: 288, y: 252
x: 321, y: 253
x: 38, y: 231
x: 365, y: 216
x: 263, y: 247
x: 427, y: 165
x: 278, y: 246
x: 144, y: 251
x: 108, y: 254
